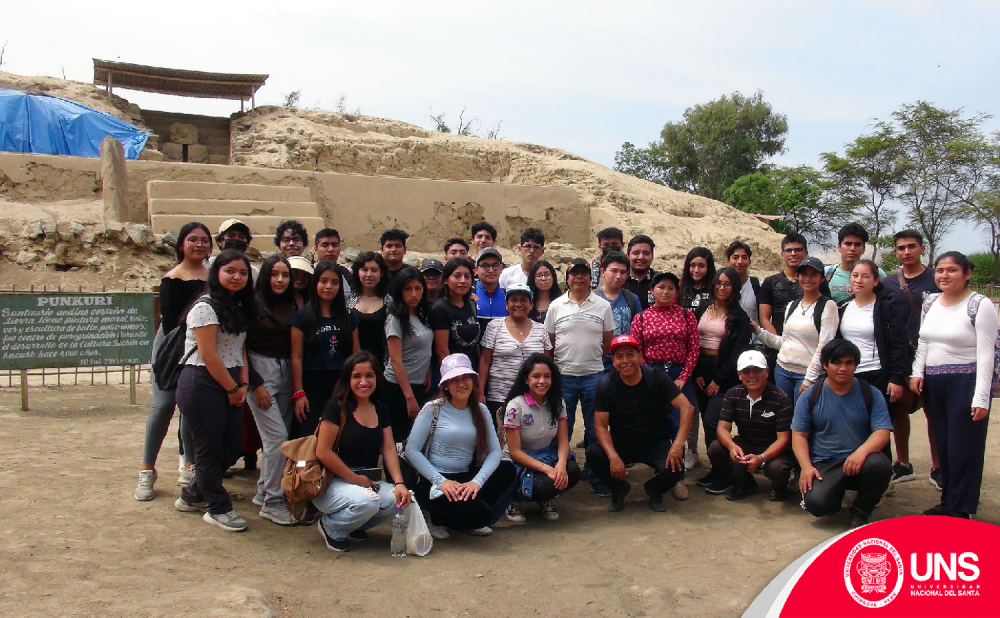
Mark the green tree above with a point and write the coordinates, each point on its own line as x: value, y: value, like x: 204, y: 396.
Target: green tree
x: 982, y: 173
x: 715, y: 144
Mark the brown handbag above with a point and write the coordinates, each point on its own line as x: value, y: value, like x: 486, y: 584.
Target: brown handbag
x: 305, y: 477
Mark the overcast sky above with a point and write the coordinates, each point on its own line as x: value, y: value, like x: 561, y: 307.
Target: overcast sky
x: 582, y: 76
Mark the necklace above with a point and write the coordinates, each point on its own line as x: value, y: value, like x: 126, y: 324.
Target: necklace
x: 516, y: 325
x: 804, y: 307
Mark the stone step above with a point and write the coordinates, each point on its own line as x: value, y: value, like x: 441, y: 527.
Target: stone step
x: 232, y: 208
x: 261, y: 227
x: 177, y: 189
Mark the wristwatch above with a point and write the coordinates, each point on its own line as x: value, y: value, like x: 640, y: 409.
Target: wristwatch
x: 762, y: 460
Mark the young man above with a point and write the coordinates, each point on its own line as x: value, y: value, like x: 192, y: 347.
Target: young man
x: 456, y: 247
x: 581, y: 326
x: 532, y: 248
x: 838, y: 440
x: 393, y: 243
x: 738, y: 256
x: 432, y: 270
x: 483, y: 235
x: 610, y: 238
x: 234, y: 234
x: 491, y: 301
x: 631, y: 428
x: 851, y: 245
x: 763, y: 414
x: 781, y: 288
x: 327, y: 249
x: 624, y: 304
x: 640, y: 276
x: 907, y: 288
x: 290, y: 238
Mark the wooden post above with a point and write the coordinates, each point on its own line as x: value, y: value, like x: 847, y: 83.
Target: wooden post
x: 110, y: 90
x: 24, y: 390
x: 131, y: 385
x: 114, y: 180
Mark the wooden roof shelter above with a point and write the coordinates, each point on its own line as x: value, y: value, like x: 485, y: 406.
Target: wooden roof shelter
x: 177, y: 81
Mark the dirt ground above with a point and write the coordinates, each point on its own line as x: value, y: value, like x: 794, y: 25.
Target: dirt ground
x: 75, y: 542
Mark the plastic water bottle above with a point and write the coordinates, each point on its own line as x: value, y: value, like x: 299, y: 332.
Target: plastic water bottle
x: 399, y: 523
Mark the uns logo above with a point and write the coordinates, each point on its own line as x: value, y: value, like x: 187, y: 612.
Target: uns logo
x: 961, y: 566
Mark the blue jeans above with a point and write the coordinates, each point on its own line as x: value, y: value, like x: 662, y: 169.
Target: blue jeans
x: 673, y: 414
x: 788, y: 381
x: 581, y: 388
x: 347, y: 507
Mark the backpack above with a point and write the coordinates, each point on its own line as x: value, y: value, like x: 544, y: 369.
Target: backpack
x: 866, y: 394
x: 973, y: 311
x: 830, y: 272
x: 755, y: 286
x: 818, y: 308
x: 170, y: 357
x: 633, y: 302
x: 305, y: 477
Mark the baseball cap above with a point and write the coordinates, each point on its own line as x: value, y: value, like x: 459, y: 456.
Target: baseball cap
x: 431, y: 264
x: 297, y: 262
x: 455, y: 365
x: 811, y: 262
x: 229, y: 224
x: 751, y: 358
x: 623, y: 340
x: 665, y: 274
x: 577, y: 262
x: 488, y: 252
x: 519, y: 287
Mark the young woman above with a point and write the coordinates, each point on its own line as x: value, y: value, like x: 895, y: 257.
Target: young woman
x: 668, y: 339
x: 409, y: 341
x: 800, y: 343
x: 537, y: 438
x: 180, y: 287
x: 368, y: 301
x: 544, y: 286
x: 212, y: 386
x: 474, y: 496
x: 724, y: 334
x: 353, y: 432
x: 506, y: 343
x: 324, y: 334
x: 302, y: 273
x: 269, y: 348
x: 453, y: 314
x: 954, y: 369
x: 696, y: 280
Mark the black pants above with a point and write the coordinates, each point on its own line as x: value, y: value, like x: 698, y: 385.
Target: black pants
x: 543, y: 488
x: 485, y: 510
x: 710, y: 407
x: 826, y: 496
x: 961, y: 442
x: 879, y: 379
x: 653, y: 454
x: 394, y: 399
x: 778, y: 470
x: 217, y: 433
x: 318, y: 386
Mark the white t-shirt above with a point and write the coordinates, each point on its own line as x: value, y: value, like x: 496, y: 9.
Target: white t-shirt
x: 857, y: 325
x: 579, y: 331
x: 228, y: 345
x: 748, y: 300
x: 511, y: 275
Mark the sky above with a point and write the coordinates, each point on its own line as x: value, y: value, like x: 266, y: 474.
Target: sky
x: 582, y: 76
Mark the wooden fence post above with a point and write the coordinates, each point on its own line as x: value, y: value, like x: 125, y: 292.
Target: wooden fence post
x: 24, y: 390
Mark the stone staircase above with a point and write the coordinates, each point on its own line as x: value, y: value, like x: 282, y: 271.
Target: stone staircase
x: 261, y: 207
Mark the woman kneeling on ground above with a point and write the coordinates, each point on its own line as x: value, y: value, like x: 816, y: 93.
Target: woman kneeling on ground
x: 537, y: 439
x: 353, y: 432
x: 452, y: 487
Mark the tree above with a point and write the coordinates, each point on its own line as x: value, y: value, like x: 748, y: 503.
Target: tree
x: 292, y: 98
x: 639, y: 162
x: 715, y: 144
x: 867, y: 178
x: 982, y: 172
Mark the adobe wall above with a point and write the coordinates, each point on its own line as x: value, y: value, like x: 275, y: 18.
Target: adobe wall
x: 360, y: 207
x: 213, y: 131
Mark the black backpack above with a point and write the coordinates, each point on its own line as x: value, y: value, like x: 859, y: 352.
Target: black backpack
x: 866, y: 394
x: 818, y: 308
x: 170, y: 357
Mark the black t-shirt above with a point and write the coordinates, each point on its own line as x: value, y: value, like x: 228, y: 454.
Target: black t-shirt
x: 462, y: 327
x: 331, y: 347
x: 359, y: 446
x: 371, y: 331
x: 920, y: 286
x: 636, y: 414
x: 175, y: 296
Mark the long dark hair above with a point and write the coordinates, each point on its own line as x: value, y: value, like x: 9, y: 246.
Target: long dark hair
x: 873, y: 267
x: 482, y: 430
x: 554, y: 293
x: 183, y: 234
x: 687, y: 291
x: 398, y: 308
x: 382, y: 287
x: 314, y: 312
x: 343, y: 396
x: 520, y: 387
x: 449, y: 269
x: 267, y: 300
x: 733, y: 307
x: 235, y: 311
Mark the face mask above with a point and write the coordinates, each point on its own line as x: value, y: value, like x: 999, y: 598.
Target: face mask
x: 233, y: 243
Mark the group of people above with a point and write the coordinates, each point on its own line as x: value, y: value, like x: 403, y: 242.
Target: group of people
x: 459, y: 380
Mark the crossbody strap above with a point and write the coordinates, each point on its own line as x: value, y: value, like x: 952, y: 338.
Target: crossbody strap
x: 430, y: 434
x: 906, y: 290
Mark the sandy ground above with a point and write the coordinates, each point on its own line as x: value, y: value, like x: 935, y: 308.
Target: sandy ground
x: 75, y: 542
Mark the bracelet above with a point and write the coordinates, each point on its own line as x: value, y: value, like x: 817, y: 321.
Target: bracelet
x: 762, y: 460
x: 238, y: 387
x: 403, y: 484
x: 298, y: 394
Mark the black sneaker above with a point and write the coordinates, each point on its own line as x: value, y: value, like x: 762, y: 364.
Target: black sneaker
x: 902, y: 472
x: 706, y: 480
x: 959, y: 515
x: 778, y: 495
x: 858, y: 520
x: 719, y: 485
x: 310, y: 517
x: 743, y: 490
x: 332, y: 543
x: 618, y: 499
x: 935, y: 478
x: 655, y: 499
x: 936, y: 510
x: 358, y: 535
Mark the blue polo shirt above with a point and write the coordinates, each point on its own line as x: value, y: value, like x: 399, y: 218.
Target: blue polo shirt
x: 489, y: 307
x: 839, y: 424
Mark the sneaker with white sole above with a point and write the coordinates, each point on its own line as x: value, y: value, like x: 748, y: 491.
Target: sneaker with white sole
x: 184, y: 506
x: 144, y: 490
x: 180, y: 463
x: 549, y: 512
x: 680, y: 491
x: 258, y: 500
x: 439, y: 532
x: 230, y: 522
x: 515, y: 513
x: 185, y: 477
x: 332, y: 543
x: 690, y: 458
x: 484, y: 531
x: 935, y: 479
x: 279, y: 514
x: 902, y: 472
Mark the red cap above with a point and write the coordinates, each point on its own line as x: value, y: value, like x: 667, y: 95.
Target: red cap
x: 621, y: 340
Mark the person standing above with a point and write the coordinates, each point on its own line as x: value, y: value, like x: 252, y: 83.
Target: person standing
x: 410, y: 345
x: 453, y: 315
x: 640, y: 276
x: 290, y: 238
x: 369, y: 304
x: 491, y: 301
x: 328, y: 250
x: 851, y: 245
x: 532, y: 248
x: 302, y: 282
x: 544, y: 286
x: 456, y: 247
x: 781, y: 288
x: 738, y: 255
x: 431, y: 269
x: 954, y: 369
x: 908, y: 288
x: 483, y: 235
x: 393, y: 244
x: 624, y: 304
x: 696, y: 280
x: 608, y: 239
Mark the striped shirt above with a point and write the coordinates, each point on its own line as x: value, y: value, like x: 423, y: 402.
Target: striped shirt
x: 799, y: 344
x: 508, y: 354
x: 760, y: 421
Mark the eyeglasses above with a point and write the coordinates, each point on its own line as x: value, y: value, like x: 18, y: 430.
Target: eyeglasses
x: 720, y: 284
x: 193, y: 240
x: 543, y: 275
x: 531, y: 247
x: 794, y: 250
x: 291, y: 240
x: 495, y: 266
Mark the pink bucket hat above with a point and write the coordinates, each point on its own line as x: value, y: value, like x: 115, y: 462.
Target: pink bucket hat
x: 455, y: 365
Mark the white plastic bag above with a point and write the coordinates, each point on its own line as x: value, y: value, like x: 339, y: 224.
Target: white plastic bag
x: 418, y: 536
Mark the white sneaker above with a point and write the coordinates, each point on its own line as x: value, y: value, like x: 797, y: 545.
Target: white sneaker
x: 484, y: 531
x: 184, y: 506
x: 549, y: 511
x: 278, y: 514
x: 230, y: 522
x: 144, y: 491
x: 439, y: 532
x: 258, y: 500
x: 185, y: 478
x: 180, y: 463
x: 690, y: 458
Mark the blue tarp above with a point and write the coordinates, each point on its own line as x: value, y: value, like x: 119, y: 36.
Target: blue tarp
x: 45, y: 124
